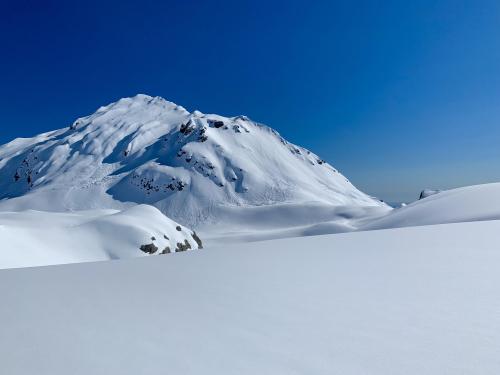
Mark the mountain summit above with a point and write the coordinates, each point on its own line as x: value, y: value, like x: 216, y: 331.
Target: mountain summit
x: 145, y: 149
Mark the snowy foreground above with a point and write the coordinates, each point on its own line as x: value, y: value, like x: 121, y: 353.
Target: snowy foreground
x: 420, y: 300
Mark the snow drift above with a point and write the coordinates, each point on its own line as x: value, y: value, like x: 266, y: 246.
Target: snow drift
x: 35, y: 238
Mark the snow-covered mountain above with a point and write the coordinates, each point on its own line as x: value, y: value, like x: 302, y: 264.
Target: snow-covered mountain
x: 189, y: 165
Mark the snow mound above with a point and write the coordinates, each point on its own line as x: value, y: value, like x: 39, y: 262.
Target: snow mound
x: 148, y: 150
x: 470, y: 203
x: 36, y: 238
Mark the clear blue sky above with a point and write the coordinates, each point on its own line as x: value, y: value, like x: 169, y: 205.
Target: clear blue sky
x: 398, y: 95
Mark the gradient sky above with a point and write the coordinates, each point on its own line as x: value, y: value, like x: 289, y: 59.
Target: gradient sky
x: 398, y: 95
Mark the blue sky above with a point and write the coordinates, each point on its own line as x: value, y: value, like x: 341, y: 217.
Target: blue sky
x: 397, y: 95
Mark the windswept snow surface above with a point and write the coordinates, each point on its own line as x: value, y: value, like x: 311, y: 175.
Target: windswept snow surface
x: 36, y: 238
x: 420, y: 300
x: 194, y: 167
x: 470, y: 203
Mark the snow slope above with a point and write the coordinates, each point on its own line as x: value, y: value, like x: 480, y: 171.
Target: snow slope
x: 470, y: 203
x: 285, y: 220
x: 36, y: 238
x: 421, y: 300
x: 192, y: 166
